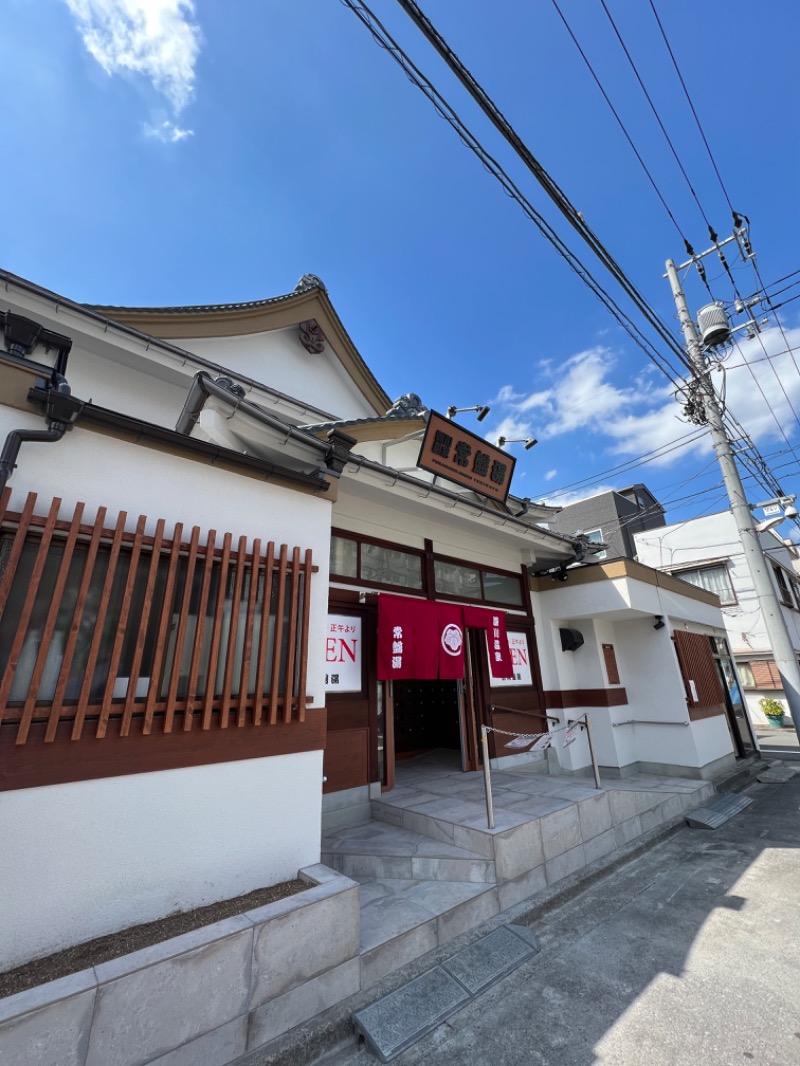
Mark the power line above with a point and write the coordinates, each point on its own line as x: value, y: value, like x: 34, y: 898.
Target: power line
x: 622, y: 126
x: 384, y: 40
x: 737, y: 219
x: 629, y: 464
x: 575, y: 219
x: 567, y: 209
x: 694, y: 112
x: 662, y: 127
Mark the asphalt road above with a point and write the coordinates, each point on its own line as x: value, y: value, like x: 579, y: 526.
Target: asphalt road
x: 687, y: 956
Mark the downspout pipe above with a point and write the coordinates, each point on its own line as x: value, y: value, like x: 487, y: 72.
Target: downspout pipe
x: 58, y: 401
x: 17, y: 437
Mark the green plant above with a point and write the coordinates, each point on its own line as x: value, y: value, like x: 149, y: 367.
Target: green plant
x: 772, y: 708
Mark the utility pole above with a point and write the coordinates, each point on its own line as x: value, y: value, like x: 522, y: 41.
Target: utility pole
x: 766, y: 596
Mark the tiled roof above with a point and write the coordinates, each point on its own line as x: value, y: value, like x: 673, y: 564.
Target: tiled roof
x: 307, y: 282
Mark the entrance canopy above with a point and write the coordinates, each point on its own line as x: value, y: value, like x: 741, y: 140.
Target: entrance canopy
x: 424, y: 640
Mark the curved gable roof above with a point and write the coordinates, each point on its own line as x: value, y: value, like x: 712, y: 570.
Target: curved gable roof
x: 309, y: 300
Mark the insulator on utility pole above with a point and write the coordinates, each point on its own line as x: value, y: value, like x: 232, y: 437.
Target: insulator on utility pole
x: 757, y: 564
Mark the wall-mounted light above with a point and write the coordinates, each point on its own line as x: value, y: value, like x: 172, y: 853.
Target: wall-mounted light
x: 527, y: 441
x: 659, y: 623
x: 482, y: 410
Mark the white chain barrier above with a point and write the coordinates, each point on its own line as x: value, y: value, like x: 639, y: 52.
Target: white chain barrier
x: 533, y: 742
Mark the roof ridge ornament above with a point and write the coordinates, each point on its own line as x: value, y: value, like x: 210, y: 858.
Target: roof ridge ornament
x: 310, y: 281
x: 407, y: 406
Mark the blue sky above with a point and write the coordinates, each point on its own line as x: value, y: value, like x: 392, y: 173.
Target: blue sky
x: 167, y: 152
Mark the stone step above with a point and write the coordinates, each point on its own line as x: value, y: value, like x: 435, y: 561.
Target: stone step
x: 381, y: 850
x: 401, y: 920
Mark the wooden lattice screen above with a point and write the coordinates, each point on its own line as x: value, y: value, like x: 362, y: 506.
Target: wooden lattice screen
x: 100, y: 625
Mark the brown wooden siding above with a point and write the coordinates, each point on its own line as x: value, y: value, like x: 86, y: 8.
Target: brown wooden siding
x: 585, y: 697
x: 697, y: 664
x: 610, y: 659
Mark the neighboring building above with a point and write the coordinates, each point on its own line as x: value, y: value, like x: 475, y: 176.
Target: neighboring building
x: 612, y: 518
x: 707, y: 553
x: 244, y: 575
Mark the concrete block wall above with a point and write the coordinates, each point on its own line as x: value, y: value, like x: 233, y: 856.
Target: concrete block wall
x: 208, y: 996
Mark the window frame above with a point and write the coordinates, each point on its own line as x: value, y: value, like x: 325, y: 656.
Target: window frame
x: 428, y: 582
x: 588, y: 535
x: 721, y: 565
x: 359, y: 539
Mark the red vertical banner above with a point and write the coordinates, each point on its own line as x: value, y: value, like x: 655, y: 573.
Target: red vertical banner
x: 407, y: 644
x: 494, y: 622
x: 450, y: 627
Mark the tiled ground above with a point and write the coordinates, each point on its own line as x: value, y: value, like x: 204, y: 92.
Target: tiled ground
x: 430, y: 867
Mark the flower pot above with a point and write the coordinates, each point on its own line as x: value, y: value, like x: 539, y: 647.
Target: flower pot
x: 775, y: 721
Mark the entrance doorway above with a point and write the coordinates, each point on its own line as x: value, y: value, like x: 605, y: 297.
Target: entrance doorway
x: 427, y: 716
x: 738, y: 722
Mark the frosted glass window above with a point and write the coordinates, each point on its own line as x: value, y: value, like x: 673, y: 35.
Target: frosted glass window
x: 461, y: 581
x: 501, y: 588
x: 385, y: 566
x: 344, y: 557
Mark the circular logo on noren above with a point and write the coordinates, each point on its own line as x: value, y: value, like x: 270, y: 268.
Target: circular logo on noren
x: 452, y: 639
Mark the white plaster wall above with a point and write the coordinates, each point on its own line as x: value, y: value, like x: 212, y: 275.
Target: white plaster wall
x: 88, y: 858
x: 278, y: 359
x: 713, y: 739
x: 103, y: 471
x: 137, y: 393
x: 464, y: 537
x: 620, y: 612
x: 715, y: 537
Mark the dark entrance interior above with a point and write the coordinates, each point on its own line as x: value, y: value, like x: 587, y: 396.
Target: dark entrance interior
x: 426, y: 716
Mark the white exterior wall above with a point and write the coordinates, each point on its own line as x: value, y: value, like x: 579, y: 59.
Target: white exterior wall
x: 91, y: 857
x: 622, y: 612
x: 714, y: 538
x: 399, y: 521
x: 279, y: 360
x: 104, y: 471
x: 114, y: 385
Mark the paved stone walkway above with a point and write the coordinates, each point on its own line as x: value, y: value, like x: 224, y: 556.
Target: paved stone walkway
x: 687, y: 956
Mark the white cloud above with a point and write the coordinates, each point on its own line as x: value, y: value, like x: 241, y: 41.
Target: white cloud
x: 763, y: 384
x: 167, y: 132
x: 550, y: 475
x: 156, y: 39
x: 583, y: 397
x: 580, y: 395
x: 564, y: 499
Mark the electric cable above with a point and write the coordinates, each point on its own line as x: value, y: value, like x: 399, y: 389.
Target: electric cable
x: 379, y: 33
x: 621, y: 124
x: 661, y: 125
x: 384, y: 40
x: 556, y: 194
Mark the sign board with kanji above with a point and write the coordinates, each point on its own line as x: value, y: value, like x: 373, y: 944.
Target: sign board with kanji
x: 343, y: 653
x: 520, y: 660
x: 465, y: 458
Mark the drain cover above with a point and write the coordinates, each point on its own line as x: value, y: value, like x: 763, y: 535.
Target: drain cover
x: 399, y: 1019
x: 717, y: 812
